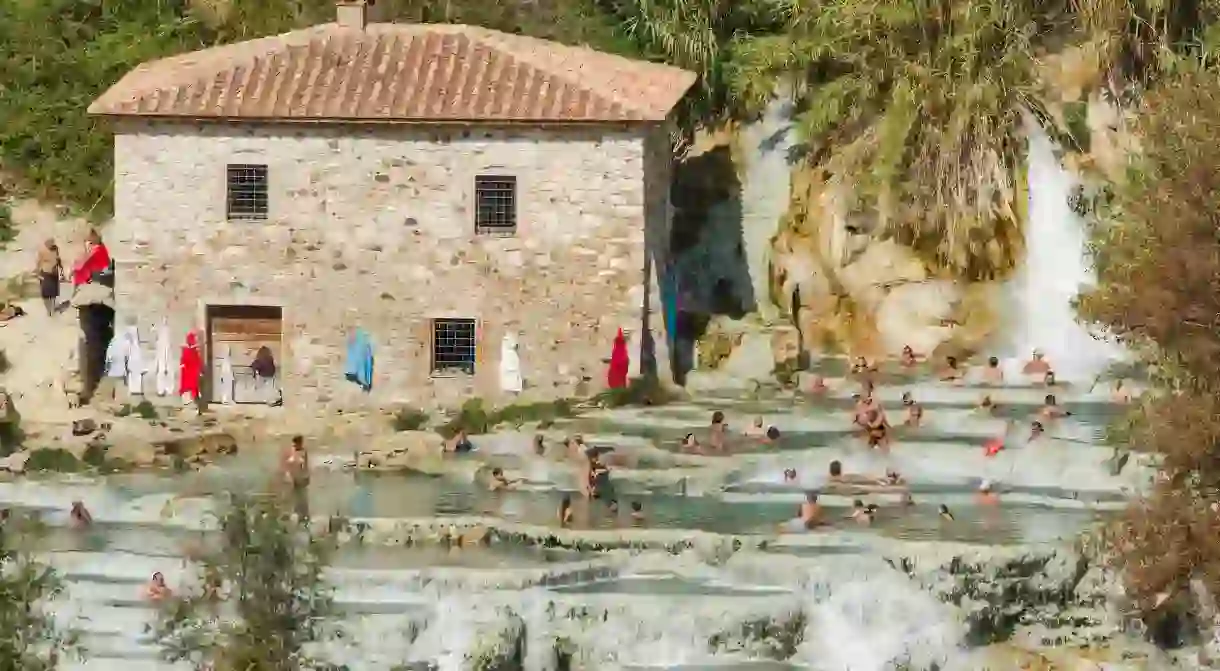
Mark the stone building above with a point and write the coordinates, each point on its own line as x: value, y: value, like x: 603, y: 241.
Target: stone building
x: 440, y: 186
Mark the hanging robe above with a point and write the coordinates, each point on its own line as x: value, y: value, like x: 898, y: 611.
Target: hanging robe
x: 190, y: 369
x: 510, y: 365
x: 620, y: 362
x: 136, y: 367
x: 162, y: 367
x: 116, y: 357
x: 224, y: 377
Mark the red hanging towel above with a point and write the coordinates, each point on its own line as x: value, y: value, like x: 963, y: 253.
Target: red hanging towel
x: 190, y: 368
x: 616, y: 377
x: 97, y: 261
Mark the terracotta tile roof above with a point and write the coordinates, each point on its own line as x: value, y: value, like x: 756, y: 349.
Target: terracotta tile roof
x: 398, y: 72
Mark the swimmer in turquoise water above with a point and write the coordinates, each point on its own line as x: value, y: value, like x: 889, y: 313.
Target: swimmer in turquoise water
x: 79, y: 516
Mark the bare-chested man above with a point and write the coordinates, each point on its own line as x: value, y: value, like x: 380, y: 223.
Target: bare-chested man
x: 1037, y: 365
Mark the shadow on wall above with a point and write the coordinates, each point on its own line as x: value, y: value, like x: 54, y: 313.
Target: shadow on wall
x: 710, y: 270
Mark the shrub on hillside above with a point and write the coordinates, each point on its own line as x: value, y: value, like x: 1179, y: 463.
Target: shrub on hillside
x: 1158, y: 265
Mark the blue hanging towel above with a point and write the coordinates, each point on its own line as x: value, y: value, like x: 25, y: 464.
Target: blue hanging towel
x: 669, y: 302
x: 360, y: 359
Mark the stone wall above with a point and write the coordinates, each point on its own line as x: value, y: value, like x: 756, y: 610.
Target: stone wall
x: 373, y: 227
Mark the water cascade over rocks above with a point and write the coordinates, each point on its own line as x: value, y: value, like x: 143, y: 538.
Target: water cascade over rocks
x: 435, y: 571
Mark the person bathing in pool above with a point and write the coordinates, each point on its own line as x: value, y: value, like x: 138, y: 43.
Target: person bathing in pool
x: 988, y: 406
x: 877, y: 428
x: 757, y: 428
x: 499, y: 481
x: 952, y: 372
x: 862, y: 514
x: 1037, y: 364
x: 838, y: 477
x: 1035, y: 431
x: 789, y: 475
x: 914, y: 416
x: 565, y: 511
x: 987, y: 495
x: 945, y: 515
x: 717, y: 438
x: 690, y: 444
x: 1050, y: 409
x: 80, y: 516
x: 157, y: 590
x: 993, y: 374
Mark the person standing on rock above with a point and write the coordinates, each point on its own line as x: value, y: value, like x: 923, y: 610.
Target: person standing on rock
x: 50, y: 270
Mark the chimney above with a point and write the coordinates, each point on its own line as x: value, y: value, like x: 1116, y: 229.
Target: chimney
x: 352, y: 13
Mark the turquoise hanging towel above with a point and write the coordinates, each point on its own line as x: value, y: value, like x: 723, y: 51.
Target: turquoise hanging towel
x: 360, y: 359
x: 669, y: 302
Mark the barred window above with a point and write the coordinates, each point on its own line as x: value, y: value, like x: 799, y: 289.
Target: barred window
x: 247, y: 192
x: 495, y: 204
x: 453, y: 346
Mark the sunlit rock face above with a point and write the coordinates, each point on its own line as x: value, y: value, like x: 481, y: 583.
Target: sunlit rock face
x: 849, y: 289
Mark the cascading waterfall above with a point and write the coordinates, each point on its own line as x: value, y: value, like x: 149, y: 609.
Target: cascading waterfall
x: 1056, y: 268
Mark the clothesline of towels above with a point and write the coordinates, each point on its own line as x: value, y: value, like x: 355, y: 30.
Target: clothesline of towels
x: 126, y: 360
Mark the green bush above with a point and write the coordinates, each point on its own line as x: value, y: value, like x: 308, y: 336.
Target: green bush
x: 29, y: 639
x: 144, y: 409
x: 269, y: 566
x: 409, y: 419
x: 54, y: 460
x: 8, y: 230
x: 640, y: 391
x: 474, y: 417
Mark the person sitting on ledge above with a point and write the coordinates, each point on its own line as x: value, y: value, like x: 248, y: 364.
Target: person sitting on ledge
x: 908, y: 358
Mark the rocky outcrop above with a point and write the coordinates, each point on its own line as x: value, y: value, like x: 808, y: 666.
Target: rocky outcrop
x: 847, y: 287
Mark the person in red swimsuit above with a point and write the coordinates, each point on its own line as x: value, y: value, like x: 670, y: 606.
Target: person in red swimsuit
x: 96, y: 259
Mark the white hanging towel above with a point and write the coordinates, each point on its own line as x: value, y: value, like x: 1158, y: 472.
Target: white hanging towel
x: 224, y: 380
x: 116, y: 356
x: 510, y: 364
x: 163, y: 368
x: 136, y: 367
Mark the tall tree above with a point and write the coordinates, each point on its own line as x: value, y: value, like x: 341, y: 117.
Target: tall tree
x: 1158, y: 262
x: 261, y: 597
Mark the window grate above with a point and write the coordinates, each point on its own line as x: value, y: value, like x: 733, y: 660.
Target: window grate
x: 495, y: 204
x: 247, y: 192
x: 453, y: 346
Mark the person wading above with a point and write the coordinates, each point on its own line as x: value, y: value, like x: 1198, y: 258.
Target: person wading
x: 295, y: 467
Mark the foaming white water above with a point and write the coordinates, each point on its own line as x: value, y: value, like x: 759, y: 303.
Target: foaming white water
x: 1056, y: 269
x: 864, y: 616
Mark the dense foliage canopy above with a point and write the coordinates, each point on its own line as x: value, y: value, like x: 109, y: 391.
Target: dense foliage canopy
x: 1158, y: 261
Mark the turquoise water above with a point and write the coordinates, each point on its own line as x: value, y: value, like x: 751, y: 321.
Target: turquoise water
x: 1049, y: 491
